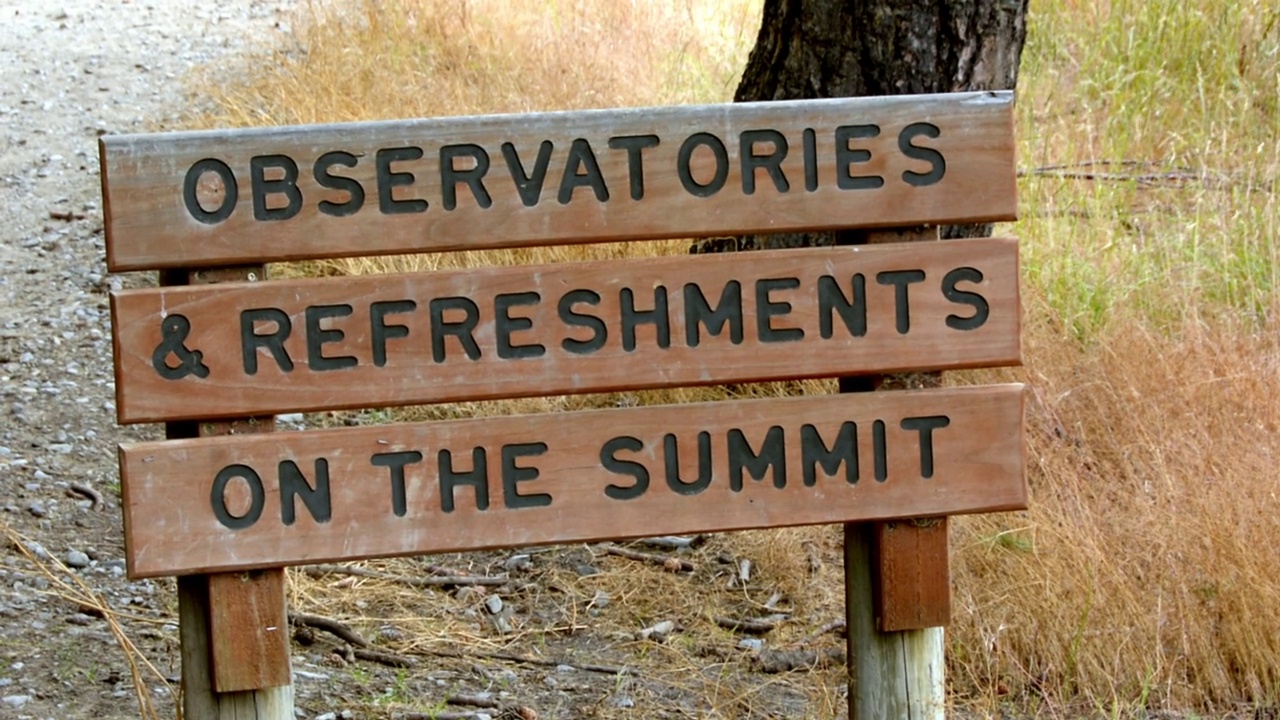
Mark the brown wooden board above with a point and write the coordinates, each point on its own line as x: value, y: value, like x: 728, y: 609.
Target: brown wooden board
x: 207, y: 352
x: 218, y: 504
x: 260, y: 195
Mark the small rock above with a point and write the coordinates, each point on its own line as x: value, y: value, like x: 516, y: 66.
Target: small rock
x: 658, y: 632
x: 585, y: 569
x: 15, y: 701
x: 60, y: 448
x: 518, y: 562
x: 328, y: 716
x: 752, y: 644
x: 493, y: 604
x: 36, y: 508
x: 624, y: 701
x: 310, y: 675
x: 77, y: 559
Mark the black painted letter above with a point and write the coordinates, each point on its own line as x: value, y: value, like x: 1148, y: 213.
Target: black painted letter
x: 450, y: 479
x: 250, y: 341
x: 925, y: 426
x: 395, y: 462
x: 191, y: 185
x: 218, y: 500
x: 813, y: 451
x: 293, y: 484
x: 450, y: 175
x: 388, y: 180
x: 317, y: 338
x: 381, y: 332
x: 697, y: 311
x: 853, y: 311
x: 463, y: 329
x: 599, y: 331
x: 773, y: 452
x: 916, y: 152
x: 326, y: 179
x: 286, y: 185
x: 772, y: 162
x: 981, y: 310
x: 504, y: 325
x: 767, y: 310
x: 581, y: 157
x: 609, y: 461
x: 633, y: 144
x: 671, y: 454
x: 685, y: 155
x: 846, y: 156
x: 631, y: 317
x: 900, y: 280
x: 513, y: 474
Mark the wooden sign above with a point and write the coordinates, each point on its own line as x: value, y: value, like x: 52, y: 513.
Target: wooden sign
x: 231, y: 503
x: 261, y: 348
x: 225, y: 197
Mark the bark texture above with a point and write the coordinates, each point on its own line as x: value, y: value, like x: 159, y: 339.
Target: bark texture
x: 844, y: 48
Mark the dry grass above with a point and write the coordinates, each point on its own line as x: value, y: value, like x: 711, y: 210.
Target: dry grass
x: 1144, y: 575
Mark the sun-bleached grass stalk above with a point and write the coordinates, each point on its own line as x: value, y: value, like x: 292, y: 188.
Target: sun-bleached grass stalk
x: 1143, y: 576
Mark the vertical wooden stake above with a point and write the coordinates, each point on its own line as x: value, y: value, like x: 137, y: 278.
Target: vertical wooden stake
x: 897, y: 582
x: 233, y: 627
x: 891, y: 674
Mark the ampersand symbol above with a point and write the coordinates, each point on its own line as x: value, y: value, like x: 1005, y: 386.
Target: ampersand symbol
x: 175, y: 329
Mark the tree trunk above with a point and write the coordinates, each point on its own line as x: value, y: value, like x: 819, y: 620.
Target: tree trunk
x: 844, y: 48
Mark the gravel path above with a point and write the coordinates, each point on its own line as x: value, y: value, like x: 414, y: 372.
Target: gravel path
x: 69, y: 72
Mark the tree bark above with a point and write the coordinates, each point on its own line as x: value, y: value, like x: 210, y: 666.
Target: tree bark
x: 843, y: 48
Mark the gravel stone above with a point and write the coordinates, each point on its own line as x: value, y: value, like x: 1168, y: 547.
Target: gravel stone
x: 77, y: 559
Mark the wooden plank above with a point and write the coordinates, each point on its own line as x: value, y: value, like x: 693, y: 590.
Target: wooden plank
x: 395, y: 340
x: 263, y: 195
x: 913, y: 574
x: 250, y: 631
x: 220, y: 504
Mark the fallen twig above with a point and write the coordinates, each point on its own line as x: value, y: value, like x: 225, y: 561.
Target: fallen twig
x: 758, y: 626
x: 317, y: 571
x: 670, y: 563
x: 85, y: 491
x: 528, y: 660
x: 382, y: 657
x: 833, y: 626
x: 780, y: 661
x: 331, y: 626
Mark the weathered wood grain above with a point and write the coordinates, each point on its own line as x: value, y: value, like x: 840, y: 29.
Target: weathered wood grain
x: 218, y: 504
x: 518, y: 312
x: 196, y: 199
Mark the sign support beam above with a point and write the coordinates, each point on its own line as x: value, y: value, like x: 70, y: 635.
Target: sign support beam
x: 897, y: 582
x: 233, y: 627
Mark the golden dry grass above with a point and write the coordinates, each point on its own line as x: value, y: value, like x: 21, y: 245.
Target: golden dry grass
x: 1143, y: 576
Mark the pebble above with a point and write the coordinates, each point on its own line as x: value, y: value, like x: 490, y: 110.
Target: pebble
x: 328, y: 716
x: 624, y: 701
x: 77, y: 559
x: 493, y: 604
x: 752, y: 644
x: 15, y: 701
x: 35, y: 507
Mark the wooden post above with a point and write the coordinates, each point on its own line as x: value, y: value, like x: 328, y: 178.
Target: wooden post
x: 891, y: 674
x: 897, y: 581
x: 233, y: 627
